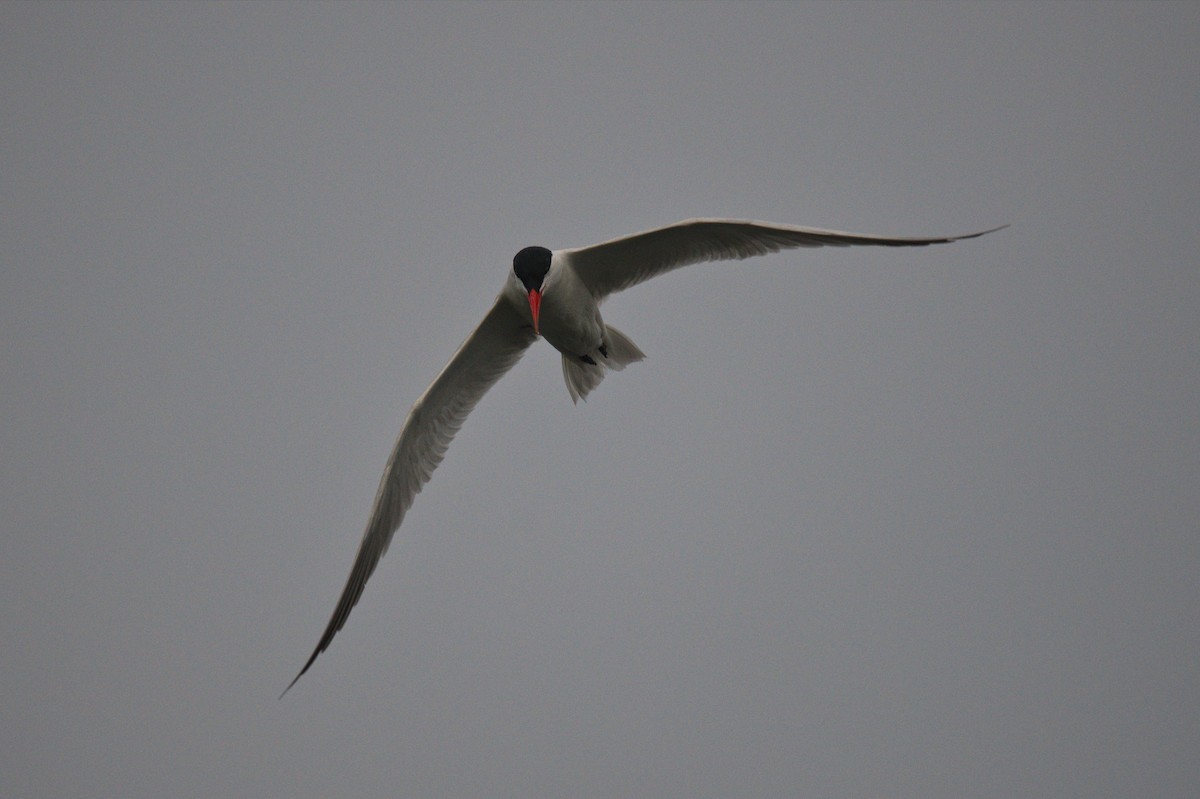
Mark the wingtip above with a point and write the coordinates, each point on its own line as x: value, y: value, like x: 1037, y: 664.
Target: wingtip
x: 296, y: 679
x: 985, y: 232
x: 289, y: 687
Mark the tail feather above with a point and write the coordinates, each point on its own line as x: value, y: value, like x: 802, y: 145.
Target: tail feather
x: 621, y: 351
x: 581, y: 377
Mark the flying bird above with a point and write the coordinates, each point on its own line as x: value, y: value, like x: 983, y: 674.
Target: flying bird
x: 556, y: 295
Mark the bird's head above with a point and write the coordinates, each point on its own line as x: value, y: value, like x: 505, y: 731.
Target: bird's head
x: 530, y: 266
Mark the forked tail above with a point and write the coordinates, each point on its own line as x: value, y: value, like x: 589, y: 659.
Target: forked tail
x: 584, y: 373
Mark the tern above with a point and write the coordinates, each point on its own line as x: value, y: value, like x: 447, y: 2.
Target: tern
x: 556, y: 295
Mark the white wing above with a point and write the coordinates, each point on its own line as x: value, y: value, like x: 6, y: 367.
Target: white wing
x: 618, y: 264
x: 495, y: 346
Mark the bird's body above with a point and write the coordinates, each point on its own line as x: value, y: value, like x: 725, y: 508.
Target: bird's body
x: 569, y: 319
x: 557, y: 295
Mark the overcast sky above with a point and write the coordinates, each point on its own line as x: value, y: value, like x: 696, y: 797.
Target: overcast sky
x: 865, y: 523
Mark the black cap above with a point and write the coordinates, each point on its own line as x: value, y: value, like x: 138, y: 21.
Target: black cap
x: 531, y: 265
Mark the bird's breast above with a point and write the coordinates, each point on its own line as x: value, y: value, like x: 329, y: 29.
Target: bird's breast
x: 570, y: 319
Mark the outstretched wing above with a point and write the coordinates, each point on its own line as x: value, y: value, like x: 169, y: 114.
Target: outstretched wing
x: 490, y: 351
x: 618, y: 264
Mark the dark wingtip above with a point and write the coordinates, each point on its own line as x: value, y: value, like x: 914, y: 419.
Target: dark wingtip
x: 981, y: 233
x: 296, y: 679
x: 293, y: 682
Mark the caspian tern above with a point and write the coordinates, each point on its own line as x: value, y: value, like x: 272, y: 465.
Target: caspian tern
x: 556, y: 294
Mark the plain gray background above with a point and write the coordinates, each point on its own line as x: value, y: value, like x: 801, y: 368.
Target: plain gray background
x: 865, y: 522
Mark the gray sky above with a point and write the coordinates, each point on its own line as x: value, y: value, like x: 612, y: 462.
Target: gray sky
x: 865, y: 522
